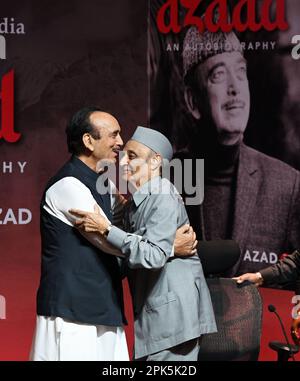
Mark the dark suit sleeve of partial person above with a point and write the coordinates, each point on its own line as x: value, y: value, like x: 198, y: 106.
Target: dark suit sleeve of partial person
x: 286, y: 270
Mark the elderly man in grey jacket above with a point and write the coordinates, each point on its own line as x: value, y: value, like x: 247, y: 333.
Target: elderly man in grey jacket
x: 172, y: 305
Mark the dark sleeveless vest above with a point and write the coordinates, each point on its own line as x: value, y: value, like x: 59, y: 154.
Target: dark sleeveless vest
x: 78, y: 281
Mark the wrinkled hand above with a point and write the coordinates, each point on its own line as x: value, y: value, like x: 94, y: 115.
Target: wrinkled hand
x: 90, y: 222
x: 251, y: 277
x: 295, y: 329
x: 185, y: 242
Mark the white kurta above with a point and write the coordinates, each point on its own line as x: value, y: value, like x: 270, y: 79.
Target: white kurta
x: 55, y: 338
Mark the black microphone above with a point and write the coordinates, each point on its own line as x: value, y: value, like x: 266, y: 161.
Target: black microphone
x: 272, y: 309
x: 218, y: 256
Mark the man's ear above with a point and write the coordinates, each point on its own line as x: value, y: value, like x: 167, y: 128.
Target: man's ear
x: 87, y: 141
x: 156, y: 161
x: 191, y: 103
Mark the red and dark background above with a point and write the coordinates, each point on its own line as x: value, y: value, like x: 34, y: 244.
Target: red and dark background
x: 72, y: 54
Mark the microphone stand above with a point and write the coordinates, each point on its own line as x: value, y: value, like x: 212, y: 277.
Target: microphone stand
x: 273, y: 309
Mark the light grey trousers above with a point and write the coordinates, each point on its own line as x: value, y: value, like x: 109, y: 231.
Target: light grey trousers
x: 187, y: 351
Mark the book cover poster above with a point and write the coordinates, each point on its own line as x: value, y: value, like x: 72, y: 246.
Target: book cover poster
x: 224, y: 86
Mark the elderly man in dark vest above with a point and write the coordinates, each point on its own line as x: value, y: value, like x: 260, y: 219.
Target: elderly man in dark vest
x: 79, y: 301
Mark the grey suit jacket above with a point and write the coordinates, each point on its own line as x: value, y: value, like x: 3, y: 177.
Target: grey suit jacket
x: 170, y: 296
x: 267, y: 210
